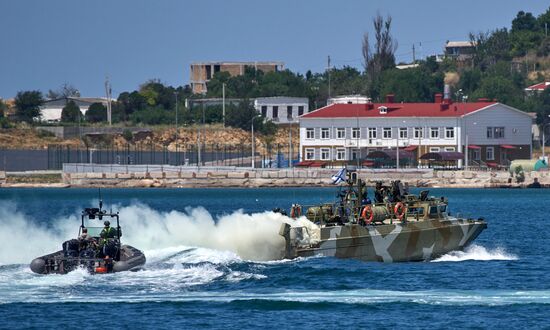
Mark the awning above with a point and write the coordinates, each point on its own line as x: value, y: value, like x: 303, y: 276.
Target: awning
x: 507, y: 146
x: 305, y: 163
x: 473, y: 146
x: 410, y: 148
x: 443, y: 156
x: 318, y: 164
x: 368, y: 163
x: 390, y: 154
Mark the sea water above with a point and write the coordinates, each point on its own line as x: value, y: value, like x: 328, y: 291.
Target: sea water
x: 213, y: 262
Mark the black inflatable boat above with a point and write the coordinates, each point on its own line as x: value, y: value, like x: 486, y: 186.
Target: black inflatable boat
x: 97, y: 249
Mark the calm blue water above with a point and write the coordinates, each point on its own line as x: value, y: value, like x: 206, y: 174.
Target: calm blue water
x: 200, y: 274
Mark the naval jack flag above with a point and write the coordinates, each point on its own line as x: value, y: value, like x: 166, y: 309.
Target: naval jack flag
x: 339, y: 177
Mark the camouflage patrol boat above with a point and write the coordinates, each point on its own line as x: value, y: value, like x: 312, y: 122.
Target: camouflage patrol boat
x: 395, y: 226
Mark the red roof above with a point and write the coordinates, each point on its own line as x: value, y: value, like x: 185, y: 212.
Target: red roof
x: 397, y: 110
x: 539, y: 87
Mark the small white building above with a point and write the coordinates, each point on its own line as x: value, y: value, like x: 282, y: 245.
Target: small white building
x: 282, y: 109
x: 50, y: 110
x: 348, y: 99
x: 490, y: 133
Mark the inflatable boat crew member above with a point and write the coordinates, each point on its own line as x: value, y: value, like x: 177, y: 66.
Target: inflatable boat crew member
x: 108, y: 231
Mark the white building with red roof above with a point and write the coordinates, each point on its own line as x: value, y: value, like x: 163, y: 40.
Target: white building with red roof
x: 492, y: 132
x: 537, y: 88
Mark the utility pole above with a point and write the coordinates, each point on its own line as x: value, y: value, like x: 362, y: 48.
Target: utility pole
x: 176, y: 93
x: 328, y: 68
x: 253, y: 142
x: 290, y: 144
x: 223, y: 103
x: 414, y: 55
x: 108, y: 93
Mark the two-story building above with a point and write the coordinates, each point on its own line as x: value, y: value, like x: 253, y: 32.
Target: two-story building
x: 490, y: 132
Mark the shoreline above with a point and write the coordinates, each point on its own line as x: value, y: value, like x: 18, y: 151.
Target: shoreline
x: 263, y: 178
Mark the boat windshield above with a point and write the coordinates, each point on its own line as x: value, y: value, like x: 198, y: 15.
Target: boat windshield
x: 94, y: 231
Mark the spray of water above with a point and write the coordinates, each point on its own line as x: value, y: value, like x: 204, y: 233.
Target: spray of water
x: 476, y: 252
x: 250, y: 236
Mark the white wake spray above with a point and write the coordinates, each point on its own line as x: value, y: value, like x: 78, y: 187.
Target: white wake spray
x: 250, y: 236
x: 476, y: 252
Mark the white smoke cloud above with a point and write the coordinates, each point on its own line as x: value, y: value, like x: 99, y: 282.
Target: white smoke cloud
x: 251, y: 236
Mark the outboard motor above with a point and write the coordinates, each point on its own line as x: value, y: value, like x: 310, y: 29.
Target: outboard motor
x: 70, y: 248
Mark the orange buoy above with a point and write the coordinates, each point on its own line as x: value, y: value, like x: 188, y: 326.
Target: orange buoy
x: 400, y: 210
x: 367, y: 214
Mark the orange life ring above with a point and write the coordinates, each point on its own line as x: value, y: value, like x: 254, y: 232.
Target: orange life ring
x: 367, y: 214
x: 400, y: 210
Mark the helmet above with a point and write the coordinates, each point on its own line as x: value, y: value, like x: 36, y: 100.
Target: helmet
x: 107, y: 223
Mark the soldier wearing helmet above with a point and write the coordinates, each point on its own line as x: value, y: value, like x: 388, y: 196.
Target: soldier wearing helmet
x: 108, y: 231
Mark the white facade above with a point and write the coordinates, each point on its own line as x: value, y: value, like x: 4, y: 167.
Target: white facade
x: 330, y: 138
x: 51, y: 110
x: 348, y: 99
x: 282, y: 110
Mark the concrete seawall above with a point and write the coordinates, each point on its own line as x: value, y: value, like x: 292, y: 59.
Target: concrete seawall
x: 172, y: 176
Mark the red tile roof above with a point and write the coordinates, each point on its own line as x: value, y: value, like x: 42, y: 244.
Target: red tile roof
x: 539, y: 87
x: 397, y: 110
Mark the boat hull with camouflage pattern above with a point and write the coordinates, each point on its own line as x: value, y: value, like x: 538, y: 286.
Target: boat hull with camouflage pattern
x: 410, y: 241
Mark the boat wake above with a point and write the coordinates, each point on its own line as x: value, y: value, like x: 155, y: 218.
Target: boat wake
x: 476, y: 252
x: 250, y: 236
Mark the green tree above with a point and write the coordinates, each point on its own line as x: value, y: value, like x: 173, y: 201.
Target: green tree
x: 70, y: 113
x: 3, y: 108
x: 28, y: 104
x: 381, y: 57
x: 411, y: 85
x: 96, y: 113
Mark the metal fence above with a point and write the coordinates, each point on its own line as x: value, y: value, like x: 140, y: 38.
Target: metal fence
x: 188, y: 155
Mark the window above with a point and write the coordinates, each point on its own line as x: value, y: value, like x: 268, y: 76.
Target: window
x: 449, y: 132
x: 450, y: 149
x: 310, y: 133
x: 325, y: 154
x: 372, y: 132
x: 495, y: 132
x: 355, y: 154
x: 355, y: 133
x: 499, y: 133
x: 310, y: 154
x: 340, y: 154
x: 300, y: 110
x: 289, y: 111
x: 340, y: 133
x: 418, y: 133
x: 490, y: 153
x: 435, y: 149
x: 386, y: 132
x: 403, y: 133
x: 476, y: 154
x: 264, y: 110
x: 383, y: 110
x: 434, y: 132
x: 325, y: 133
x: 275, y: 111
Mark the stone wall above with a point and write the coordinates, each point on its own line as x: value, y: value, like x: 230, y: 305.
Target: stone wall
x: 194, y: 177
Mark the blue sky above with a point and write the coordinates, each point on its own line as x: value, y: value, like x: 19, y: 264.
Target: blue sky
x: 47, y: 43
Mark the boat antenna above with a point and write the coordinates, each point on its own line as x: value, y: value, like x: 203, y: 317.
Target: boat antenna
x: 100, y: 200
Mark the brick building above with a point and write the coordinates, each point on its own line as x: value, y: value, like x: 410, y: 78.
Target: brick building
x: 202, y: 72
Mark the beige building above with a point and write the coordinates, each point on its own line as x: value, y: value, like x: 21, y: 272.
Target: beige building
x: 202, y: 72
